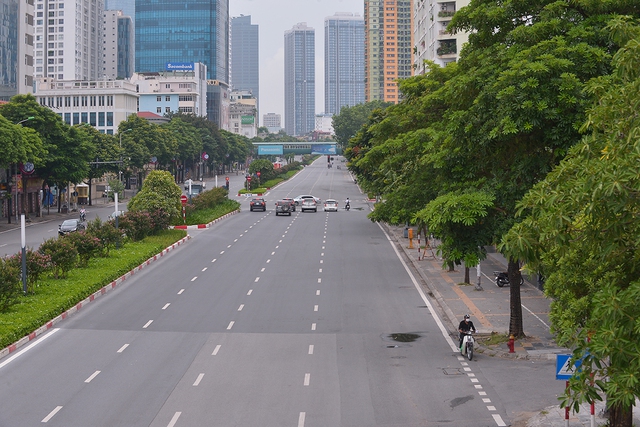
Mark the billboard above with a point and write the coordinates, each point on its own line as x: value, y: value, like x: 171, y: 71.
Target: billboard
x: 246, y: 120
x: 324, y: 149
x: 270, y: 150
x: 179, y: 66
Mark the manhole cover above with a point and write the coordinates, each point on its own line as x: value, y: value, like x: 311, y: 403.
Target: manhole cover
x: 452, y: 371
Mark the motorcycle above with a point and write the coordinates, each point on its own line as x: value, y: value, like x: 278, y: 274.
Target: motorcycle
x: 467, y: 345
x: 347, y: 206
x: 502, y: 278
x: 83, y: 215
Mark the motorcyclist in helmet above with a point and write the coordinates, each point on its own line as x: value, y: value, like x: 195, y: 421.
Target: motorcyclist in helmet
x: 465, y: 326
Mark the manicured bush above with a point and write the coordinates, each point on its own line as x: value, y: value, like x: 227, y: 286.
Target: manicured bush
x: 37, y: 264
x: 136, y: 224
x: 63, y: 255
x: 87, y: 245
x: 107, y: 233
x: 210, y: 198
x: 9, y: 284
x: 159, y: 192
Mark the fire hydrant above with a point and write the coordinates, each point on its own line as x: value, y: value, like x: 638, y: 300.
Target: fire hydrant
x: 511, y: 344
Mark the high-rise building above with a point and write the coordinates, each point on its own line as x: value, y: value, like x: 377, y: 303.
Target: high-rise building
x: 272, y: 121
x: 245, y: 60
x: 128, y: 7
x: 16, y: 48
x: 388, y: 47
x: 171, y: 34
x: 68, y: 39
x: 433, y: 41
x: 343, y: 61
x: 118, y: 48
x: 299, y: 80
x: 169, y: 31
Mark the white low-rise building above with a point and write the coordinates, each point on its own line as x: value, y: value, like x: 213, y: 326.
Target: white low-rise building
x: 243, y: 112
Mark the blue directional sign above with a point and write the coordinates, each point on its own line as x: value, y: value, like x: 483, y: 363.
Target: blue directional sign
x: 564, y: 370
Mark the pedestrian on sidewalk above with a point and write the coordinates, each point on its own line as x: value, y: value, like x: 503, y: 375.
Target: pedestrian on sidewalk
x: 465, y: 326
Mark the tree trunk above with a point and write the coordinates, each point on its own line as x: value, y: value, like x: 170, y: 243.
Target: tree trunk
x: 450, y: 265
x: 515, y: 321
x: 466, y: 275
x: 620, y: 416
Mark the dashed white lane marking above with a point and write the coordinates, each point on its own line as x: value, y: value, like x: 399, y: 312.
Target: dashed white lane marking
x: 121, y: 349
x: 228, y: 246
x: 268, y: 261
x: 246, y: 231
x: 491, y: 408
x: 277, y: 246
x: 320, y: 270
x: 486, y: 400
x: 478, y: 386
x: 273, y: 253
x: 498, y: 420
x: 235, y: 240
x: 313, y: 326
x: 166, y: 305
x: 482, y: 393
x: 321, y: 262
x: 262, y: 269
x: 307, y: 379
x: 181, y: 291
x: 213, y: 260
x: 319, y: 280
x: 194, y: 278
x: 216, y: 350
x: 230, y: 325
x: 250, y: 292
x: 241, y: 307
x: 174, y: 420
x: 323, y: 248
x: 280, y: 241
x: 257, y: 278
x: 322, y: 254
x: 146, y: 325
x: 51, y: 414
x: 315, y: 307
x: 204, y: 269
x: 311, y: 349
x: 27, y: 348
x: 221, y: 252
x: 95, y: 374
x: 301, y: 419
x: 318, y: 292
x: 475, y: 380
x: 197, y: 381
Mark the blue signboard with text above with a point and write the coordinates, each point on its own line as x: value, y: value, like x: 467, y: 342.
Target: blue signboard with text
x: 179, y: 66
x: 270, y: 150
x: 324, y: 149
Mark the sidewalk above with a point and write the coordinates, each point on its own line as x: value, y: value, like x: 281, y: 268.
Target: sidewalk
x: 490, y: 311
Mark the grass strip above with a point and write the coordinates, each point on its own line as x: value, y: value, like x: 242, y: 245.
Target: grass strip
x: 205, y: 216
x: 54, y: 296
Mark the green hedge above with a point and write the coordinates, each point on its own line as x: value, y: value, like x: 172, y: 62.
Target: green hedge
x: 54, y: 296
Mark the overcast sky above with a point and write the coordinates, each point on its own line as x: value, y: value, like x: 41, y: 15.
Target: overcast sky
x: 274, y: 17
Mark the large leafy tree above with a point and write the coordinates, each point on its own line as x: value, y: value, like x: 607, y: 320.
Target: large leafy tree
x: 350, y: 119
x: 581, y: 228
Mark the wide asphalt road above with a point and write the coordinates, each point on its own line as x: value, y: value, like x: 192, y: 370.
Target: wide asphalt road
x: 303, y: 320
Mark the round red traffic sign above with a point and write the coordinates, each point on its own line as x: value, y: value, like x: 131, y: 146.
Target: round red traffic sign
x: 183, y: 199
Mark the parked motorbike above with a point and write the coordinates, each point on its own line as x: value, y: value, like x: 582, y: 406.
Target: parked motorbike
x: 502, y: 278
x: 467, y: 345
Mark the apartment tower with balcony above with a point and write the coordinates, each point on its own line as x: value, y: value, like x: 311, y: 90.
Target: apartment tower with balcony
x: 432, y: 40
x: 118, y: 47
x: 388, y: 47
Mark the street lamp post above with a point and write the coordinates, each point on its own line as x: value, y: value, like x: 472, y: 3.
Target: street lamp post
x: 120, y: 164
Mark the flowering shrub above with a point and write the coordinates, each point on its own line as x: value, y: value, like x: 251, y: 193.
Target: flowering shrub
x: 107, y: 233
x: 161, y: 220
x: 9, y: 284
x: 86, y: 244
x: 210, y: 198
x: 63, y: 255
x: 137, y: 225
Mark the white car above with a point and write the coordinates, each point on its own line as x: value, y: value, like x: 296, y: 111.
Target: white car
x: 331, y: 205
x: 115, y: 214
x: 298, y: 200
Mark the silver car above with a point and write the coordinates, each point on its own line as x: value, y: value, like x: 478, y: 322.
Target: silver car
x: 331, y: 205
x: 309, y: 205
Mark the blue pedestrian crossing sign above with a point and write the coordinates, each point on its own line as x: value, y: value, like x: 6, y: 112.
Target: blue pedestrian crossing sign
x: 564, y: 370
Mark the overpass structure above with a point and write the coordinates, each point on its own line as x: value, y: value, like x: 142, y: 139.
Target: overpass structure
x: 296, y: 147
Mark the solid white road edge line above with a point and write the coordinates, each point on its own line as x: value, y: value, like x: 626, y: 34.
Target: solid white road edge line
x: 29, y: 347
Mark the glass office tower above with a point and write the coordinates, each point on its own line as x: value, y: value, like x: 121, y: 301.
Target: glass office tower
x: 183, y: 31
x: 343, y: 61
x: 127, y: 6
x: 245, y: 60
x: 299, y: 80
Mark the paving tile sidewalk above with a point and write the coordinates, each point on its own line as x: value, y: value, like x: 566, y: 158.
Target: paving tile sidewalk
x: 490, y: 312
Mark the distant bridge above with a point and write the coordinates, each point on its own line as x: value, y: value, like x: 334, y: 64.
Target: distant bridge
x: 296, y: 147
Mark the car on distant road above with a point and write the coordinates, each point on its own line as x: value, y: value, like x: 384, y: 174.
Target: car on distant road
x: 298, y: 200
x: 309, y: 205
x: 331, y: 205
x: 293, y: 203
x: 257, y: 204
x: 114, y: 214
x: 70, y: 226
x: 283, y: 207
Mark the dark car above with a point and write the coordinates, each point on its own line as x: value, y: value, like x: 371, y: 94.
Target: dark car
x: 257, y: 204
x: 69, y: 226
x: 293, y: 203
x: 283, y: 207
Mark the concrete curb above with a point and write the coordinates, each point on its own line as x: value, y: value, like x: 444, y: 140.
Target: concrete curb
x: 200, y: 226
x: 44, y: 328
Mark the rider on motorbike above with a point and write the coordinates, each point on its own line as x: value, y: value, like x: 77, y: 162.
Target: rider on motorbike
x: 82, y: 214
x: 465, y: 326
x: 347, y: 204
